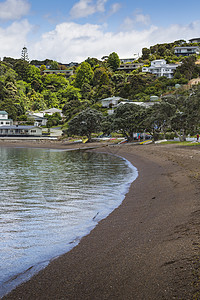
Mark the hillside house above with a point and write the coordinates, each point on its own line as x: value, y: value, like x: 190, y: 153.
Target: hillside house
x: 4, y: 121
x: 38, y: 120
x: 186, y: 51
x: 160, y: 68
x: 110, y: 102
x: 67, y: 73
x: 195, y: 40
x: 129, y: 67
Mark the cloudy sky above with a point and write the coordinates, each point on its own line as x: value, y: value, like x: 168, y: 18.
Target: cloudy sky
x: 67, y: 30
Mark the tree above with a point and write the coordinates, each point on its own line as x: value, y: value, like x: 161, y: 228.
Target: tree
x: 85, y: 123
x: 158, y: 118
x: 129, y: 119
x: 188, y: 68
x: 84, y: 74
x: 54, y: 65
x: 145, y: 53
x: 21, y: 67
x: 24, y: 55
x: 113, y: 61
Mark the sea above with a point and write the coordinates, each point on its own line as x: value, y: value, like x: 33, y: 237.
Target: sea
x: 49, y: 200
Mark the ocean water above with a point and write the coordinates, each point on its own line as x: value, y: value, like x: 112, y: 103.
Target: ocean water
x: 49, y: 199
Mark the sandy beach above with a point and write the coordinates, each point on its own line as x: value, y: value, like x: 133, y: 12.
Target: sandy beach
x: 146, y: 249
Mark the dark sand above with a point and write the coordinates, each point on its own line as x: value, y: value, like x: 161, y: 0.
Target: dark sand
x: 148, y: 248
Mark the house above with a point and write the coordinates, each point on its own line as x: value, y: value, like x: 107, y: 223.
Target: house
x: 127, y: 60
x: 4, y: 121
x: 144, y: 104
x: 51, y: 111
x: 110, y: 102
x: 129, y: 67
x: 186, y: 51
x: 38, y: 120
x: 19, y: 130
x: 160, y: 68
x: 67, y: 73
x: 195, y: 40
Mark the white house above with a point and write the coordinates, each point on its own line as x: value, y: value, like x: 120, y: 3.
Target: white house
x: 160, y: 68
x: 4, y: 121
x: 42, y: 113
x: 51, y: 111
x: 187, y: 50
x: 19, y: 130
x: 110, y: 102
x: 195, y: 40
x: 38, y: 120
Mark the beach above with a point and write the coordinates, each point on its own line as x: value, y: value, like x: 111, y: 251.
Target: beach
x: 147, y: 248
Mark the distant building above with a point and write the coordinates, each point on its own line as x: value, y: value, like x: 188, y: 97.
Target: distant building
x: 38, y: 120
x: 195, y: 40
x: 186, y: 50
x: 67, y: 73
x: 4, y: 121
x: 160, y: 68
x: 129, y: 67
x: 51, y: 111
x: 110, y: 102
x: 127, y: 60
x: 144, y: 104
x: 19, y: 130
x: 42, y: 113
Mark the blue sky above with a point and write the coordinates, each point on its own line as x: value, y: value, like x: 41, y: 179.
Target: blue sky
x: 66, y: 30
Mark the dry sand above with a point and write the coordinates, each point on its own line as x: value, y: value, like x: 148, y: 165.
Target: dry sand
x: 148, y: 248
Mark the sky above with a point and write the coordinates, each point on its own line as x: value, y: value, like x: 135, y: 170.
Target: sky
x: 71, y: 31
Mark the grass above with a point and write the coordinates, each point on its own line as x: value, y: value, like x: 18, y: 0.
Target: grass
x: 181, y: 143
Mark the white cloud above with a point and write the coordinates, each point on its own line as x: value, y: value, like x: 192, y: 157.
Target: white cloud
x: 143, y: 19
x: 13, y: 9
x: 70, y: 41
x: 74, y: 42
x: 13, y: 39
x: 138, y: 19
x: 84, y: 8
x: 115, y: 8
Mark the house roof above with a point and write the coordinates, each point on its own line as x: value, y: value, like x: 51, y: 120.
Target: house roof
x: 52, y: 110
x: 3, y: 112
x: 111, y: 98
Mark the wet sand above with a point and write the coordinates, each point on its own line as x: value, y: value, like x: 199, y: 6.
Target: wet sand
x: 146, y: 249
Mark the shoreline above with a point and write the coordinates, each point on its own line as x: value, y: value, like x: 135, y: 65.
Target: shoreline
x: 147, y: 248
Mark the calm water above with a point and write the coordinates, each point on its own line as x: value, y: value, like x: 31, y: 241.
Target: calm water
x: 49, y: 199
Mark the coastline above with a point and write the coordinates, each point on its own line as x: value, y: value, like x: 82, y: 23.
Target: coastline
x: 147, y: 248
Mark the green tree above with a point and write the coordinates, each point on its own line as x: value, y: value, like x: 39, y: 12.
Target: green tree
x: 85, y: 123
x: 158, y: 118
x: 113, y: 61
x: 188, y: 69
x: 145, y: 53
x: 68, y: 94
x: 54, y: 65
x: 129, y: 119
x: 84, y: 74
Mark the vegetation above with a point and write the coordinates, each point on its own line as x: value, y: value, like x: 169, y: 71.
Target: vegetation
x: 24, y: 87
